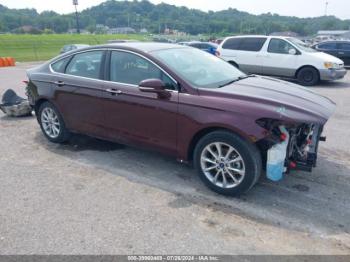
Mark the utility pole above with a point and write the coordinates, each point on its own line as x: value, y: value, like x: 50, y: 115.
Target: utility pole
x: 326, y: 9
x: 75, y: 3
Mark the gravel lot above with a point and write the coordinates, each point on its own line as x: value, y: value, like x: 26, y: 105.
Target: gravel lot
x: 94, y: 197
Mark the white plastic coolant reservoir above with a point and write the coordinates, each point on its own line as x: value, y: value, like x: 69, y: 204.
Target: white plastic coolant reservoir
x: 276, y: 158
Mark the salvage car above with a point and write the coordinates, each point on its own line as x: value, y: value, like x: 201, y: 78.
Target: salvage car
x: 285, y: 57
x: 184, y: 103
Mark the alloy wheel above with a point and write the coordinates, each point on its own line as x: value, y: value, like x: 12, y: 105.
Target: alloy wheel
x: 50, y: 122
x: 222, y: 165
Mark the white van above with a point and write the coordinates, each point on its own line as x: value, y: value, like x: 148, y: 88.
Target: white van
x: 282, y: 57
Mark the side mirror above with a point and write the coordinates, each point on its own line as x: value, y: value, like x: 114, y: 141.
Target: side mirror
x: 292, y: 51
x: 154, y: 86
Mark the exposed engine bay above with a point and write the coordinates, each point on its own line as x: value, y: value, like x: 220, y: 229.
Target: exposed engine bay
x: 291, y: 146
x: 303, y: 146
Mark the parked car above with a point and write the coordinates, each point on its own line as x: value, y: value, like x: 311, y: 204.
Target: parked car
x: 205, y: 46
x: 184, y: 103
x: 72, y: 47
x: 281, y: 56
x: 340, y: 49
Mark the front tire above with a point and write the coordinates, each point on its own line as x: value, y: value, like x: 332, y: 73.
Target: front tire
x: 308, y: 76
x: 227, y: 163
x: 52, y: 124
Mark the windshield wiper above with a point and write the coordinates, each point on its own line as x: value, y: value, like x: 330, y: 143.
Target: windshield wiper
x: 236, y: 80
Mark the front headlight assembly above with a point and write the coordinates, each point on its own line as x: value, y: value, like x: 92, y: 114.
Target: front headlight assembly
x: 330, y: 65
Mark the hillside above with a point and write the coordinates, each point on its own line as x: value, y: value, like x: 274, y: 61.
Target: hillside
x: 143, y: 14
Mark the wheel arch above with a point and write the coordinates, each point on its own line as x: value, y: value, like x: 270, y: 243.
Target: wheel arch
x: 203, y: 132
x: 38, y: 103
x: 306, y: 66
x: 42, y: 100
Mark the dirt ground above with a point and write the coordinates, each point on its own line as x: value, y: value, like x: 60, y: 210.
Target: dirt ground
x: 94, y: 197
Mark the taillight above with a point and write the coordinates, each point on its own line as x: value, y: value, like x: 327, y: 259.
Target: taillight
x: 25, y: 82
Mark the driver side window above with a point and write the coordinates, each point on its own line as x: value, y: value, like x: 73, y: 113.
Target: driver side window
x: 128, y: 68
x: 279, y: 46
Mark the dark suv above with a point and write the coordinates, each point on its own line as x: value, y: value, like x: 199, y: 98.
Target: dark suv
x: 340, y: 49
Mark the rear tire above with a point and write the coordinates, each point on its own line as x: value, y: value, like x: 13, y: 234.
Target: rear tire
x: 226, y: 173
x: 52, y: 124
x: 308, y: 76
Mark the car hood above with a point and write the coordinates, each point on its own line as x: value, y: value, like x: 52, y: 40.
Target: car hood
x: 272, y: 98
x: 326, y: 57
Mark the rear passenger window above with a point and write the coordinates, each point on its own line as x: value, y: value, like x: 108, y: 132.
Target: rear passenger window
x: 232, y: 43
x: 279, y: 46
x: 328, y: 46
x: 195, y: 45
x: 86, y: 64
x: 60, y: 65
x: 344, y: 46
x: 253, y: 44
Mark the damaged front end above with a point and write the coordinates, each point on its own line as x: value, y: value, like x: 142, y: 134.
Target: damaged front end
x: 289, y: 147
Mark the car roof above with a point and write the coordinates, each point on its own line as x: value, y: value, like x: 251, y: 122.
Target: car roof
x: 146, y: 47
x: 247, y: 36
x: 259, y: 36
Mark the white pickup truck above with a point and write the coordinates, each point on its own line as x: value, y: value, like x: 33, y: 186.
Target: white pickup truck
x: 280, y: 56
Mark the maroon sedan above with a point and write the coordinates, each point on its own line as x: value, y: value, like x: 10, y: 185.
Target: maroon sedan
x: 185, y: 103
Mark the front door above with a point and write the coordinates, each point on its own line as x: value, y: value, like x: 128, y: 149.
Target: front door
x: 277, y: 61
x: 135, y: 117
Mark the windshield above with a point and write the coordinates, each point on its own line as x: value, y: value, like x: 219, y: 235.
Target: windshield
x: 301, y: 45
x: 199, y: 68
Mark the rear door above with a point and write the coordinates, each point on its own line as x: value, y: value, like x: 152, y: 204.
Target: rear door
x: 276, y: 59
x: 245, y: 52
x: 344, y: 52
x: 78, y: 92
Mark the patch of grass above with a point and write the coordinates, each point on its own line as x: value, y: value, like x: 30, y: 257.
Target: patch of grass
x: 43, y: 47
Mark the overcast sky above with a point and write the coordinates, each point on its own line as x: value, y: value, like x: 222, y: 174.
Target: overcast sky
x: 300, y: 8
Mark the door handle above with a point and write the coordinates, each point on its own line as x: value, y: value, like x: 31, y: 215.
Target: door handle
x: 59, y: 83
x: 114, y: 92
x: 341, y: 53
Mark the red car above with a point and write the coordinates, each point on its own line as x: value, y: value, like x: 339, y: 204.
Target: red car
x: 185, y: 103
